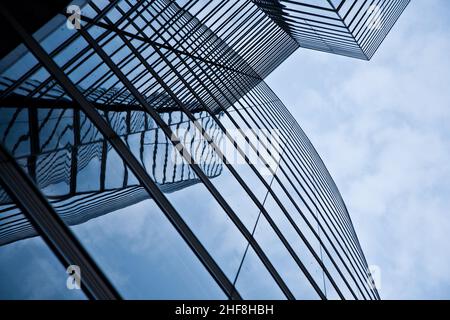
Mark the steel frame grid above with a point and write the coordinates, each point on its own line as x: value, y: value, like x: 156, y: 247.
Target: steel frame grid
x: 203, y: 72
x: 353, y: 28
x: 271, y: 222
x: 51, y: 169
x: 128, y: 158
x: 191, y: 83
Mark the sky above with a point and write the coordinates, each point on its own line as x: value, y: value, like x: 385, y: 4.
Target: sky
x: 382, y: 129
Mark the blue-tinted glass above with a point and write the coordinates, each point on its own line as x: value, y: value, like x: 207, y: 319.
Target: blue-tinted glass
x: 28, y: 268
x: 254, y: 281
x: 283, y: 262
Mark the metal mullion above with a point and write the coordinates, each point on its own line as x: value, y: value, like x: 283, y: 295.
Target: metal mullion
x: 350, y: 9
x: 281, y: 184
x: 187, y: 73
x: 318, y: 28
x: 74, y: 65
x: 330, y: 37
x: 307, y: 223
x: 168, y: 132
x: 308, y: 5
x: 251, y: 43
x: 190, y: 4
x: 185, y: 154
x: 306, y: 153
x: 319, y: 38
x: 373, y: 44
x: 240, y: 25
x: 399, y: 10
x: 243, y: 39
x: 359, y: 27
x: 356, y: 16
x: 192, y: 32
x: 294, y: 201
x: 307, y: 194
x: 51, y: 227
x: 221, y: 55
x: 278, y: 44
x: 279, y: 203
x: 70, y: 62
x: 108, y: 75
x: 236, y: 20
x: 208, y: 15
x: 81, y: 53
x: 312, y: 14
x: 213, y: 13
x: 340, y: 235
x: 131, y: 161
x: 185, y: 37
x: 219, y: 49
x: 288, y: 51
x: 312, y: 175
x: 61, y: 47
x: 382, y: 37
x: 297, y: 230
x: 368, y: 36
x: 365, y: 31
x: 211, y: 33
x: 297, y: 20
x: 319, y: 176
x: 146, y: 39
x: 215, y: 148
x: 101, y: 80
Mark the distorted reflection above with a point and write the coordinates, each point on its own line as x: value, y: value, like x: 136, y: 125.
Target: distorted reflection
x: 74, y: 166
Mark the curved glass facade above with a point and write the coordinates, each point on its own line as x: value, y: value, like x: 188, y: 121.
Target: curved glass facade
x: 143, y: 146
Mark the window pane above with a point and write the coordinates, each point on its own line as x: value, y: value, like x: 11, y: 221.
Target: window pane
x: 28, y: 268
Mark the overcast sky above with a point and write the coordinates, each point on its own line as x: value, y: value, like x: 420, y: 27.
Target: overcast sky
x: 383, y: 130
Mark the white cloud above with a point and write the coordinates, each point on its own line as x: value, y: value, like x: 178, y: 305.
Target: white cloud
x: 382, y: 129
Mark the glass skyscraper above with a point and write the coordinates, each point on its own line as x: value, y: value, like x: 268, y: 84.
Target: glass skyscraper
x: 140, y: 144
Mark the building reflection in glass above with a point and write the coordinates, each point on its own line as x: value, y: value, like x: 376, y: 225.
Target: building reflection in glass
x: 91, y: 115
x: 74, y: 166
